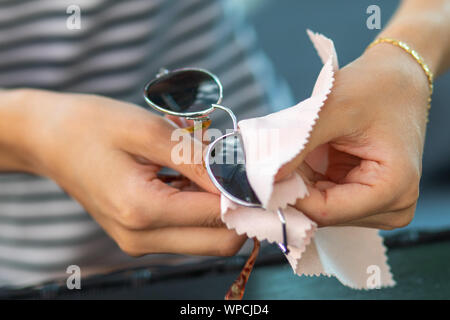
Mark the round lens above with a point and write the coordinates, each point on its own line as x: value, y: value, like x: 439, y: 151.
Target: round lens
x: 227, y: 165
x: 184, y: 91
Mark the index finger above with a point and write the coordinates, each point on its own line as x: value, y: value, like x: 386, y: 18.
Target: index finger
x: 362, y: 193
x: 165, y: 144
x: 158, y: 205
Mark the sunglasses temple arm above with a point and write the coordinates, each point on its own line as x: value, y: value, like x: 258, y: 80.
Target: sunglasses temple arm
x: 284, y: 246
x: 228, y: 110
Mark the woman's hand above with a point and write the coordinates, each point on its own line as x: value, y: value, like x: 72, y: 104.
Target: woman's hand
x: 106, y: 154
x: 373, y: 125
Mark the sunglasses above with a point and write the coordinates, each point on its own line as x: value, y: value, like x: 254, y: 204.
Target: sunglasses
x: 194, y: 93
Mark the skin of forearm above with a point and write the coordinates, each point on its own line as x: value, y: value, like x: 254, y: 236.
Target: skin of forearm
x: 16, y: 137
x: 425, y: 26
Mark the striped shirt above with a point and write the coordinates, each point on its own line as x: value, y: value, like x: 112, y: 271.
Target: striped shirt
x: 119, y: 47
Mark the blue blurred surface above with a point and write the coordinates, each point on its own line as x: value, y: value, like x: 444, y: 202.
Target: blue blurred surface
x: 421, y: 272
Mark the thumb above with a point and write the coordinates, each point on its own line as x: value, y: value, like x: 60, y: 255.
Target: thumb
x: 185, y: 154
x: 165, y: 144
x: 334, y: 122
x: 195, y: 170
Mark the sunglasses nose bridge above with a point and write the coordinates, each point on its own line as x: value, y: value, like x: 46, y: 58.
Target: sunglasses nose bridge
x: 230, y: 113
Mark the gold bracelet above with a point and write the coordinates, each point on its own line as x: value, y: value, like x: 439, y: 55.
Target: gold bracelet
x: 416, y: 57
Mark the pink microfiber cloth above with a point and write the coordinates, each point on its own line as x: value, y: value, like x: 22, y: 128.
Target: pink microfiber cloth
x: 352, y: 254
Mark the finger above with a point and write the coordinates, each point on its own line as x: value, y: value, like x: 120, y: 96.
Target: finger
x: 190, y: 125
x: 166, y: 145
x: 180, y: 184
x: 189, y: 208
x: 337, y: 119
x: 180, y: 121
x: 192, y: 166
x: 362, y: 193
x: 387, y: 220
x: 149, y: 203
x: 308, y: 174
x: 193, y: 241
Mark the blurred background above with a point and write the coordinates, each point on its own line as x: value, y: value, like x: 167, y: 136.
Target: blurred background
x: 419, y: 254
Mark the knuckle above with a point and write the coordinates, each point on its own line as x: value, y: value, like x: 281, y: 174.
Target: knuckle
x: 319, y: 212
x: 322, y: 219
x: 132, y: 253
x: 230, y: 248
x: 134, y: 210
x: 198, y: 169
x: 386, y: 227
x: 133, y: 218
x: 402, y: 219
x: 409, y: 193
x: 412, y: 192
x: 128, y: 245
x: 412, y: 195
x: 227, y: 251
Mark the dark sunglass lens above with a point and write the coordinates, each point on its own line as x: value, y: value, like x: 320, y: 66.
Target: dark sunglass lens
x: 184, y: 91
x: 227, y: 163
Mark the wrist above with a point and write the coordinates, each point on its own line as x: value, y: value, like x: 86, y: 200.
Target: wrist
x: 18, y: 141
x: 401, y: 78
x: 399, y: 65
x: 425, y: 27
